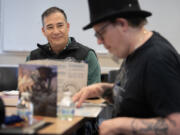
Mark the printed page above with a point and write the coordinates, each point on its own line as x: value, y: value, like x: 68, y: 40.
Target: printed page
x: 88, y: 111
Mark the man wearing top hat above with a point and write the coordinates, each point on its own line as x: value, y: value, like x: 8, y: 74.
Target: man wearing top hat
x: 146, y: 93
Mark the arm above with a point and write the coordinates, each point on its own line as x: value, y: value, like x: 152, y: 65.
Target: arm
x: 133, y: 126
x: 162, y: 93
x: 90, y: 91
x: 28, y: 58
x: 94, y: 72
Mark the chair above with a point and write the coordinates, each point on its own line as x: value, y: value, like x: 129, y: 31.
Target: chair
x: 108, y: 110
x: 112, y: 75
x: 8, y: 77
x: 104, y: 77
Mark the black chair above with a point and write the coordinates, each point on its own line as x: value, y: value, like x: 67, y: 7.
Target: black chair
x: 8, y: 77
x: 104, y: 77
x: 108, y: 110
x: 112, y: 75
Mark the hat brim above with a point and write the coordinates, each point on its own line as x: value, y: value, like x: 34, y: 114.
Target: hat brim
x: 141, y: 13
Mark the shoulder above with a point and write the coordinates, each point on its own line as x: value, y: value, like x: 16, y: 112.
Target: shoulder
x: 159, y: 48
x: 91, y: 56
x: 161, y: 55
x: 80, y: 45
x: 81, y: 49
x: 41, y: 48
x: 40, y: 51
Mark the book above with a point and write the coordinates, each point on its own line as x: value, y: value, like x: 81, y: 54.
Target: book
x: 90, y: 110
x: 10, y: 98
x: 46, y: 80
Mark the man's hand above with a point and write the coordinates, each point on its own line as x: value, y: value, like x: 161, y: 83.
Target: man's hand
x: 90, y: 91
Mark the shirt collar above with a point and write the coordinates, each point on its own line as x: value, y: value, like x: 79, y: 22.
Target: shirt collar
x: 69, y: 41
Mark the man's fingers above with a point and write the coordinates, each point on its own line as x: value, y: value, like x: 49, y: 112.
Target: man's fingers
x: 83, y: 97
x: 80, y: 97
x: 76, y: 96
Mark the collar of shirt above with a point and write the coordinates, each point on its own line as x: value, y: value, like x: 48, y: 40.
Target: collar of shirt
x: 69, y: 41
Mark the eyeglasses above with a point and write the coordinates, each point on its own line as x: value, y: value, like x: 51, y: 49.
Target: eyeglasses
x: 99, y: 34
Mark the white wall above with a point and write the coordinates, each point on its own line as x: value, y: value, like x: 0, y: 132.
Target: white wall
x: 21, y: 23
x: 165, y: 20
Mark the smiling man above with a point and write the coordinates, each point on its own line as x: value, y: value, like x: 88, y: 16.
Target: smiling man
x: 61, y: 46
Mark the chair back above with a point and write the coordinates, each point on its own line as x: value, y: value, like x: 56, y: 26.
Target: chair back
x: 112, y: 75
x: 8, y: 77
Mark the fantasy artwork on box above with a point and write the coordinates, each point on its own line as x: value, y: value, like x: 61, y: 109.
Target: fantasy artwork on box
x: 41, y: 82
x: 71, y: 76
x: 47, y: 80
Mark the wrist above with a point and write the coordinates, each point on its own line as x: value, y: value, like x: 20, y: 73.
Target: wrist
x: 106, y: 90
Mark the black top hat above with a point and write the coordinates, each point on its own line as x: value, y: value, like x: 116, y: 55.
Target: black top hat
x: 102, y: 10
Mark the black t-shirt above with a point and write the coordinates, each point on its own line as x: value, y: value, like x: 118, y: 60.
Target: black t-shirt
x: 148, y: 84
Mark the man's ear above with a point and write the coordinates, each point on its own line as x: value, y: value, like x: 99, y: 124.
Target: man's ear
x: 43, y: 31
x: 123, y: 23
x: 68, y: 26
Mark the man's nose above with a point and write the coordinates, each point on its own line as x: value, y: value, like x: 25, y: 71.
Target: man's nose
x: 56, y: 30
